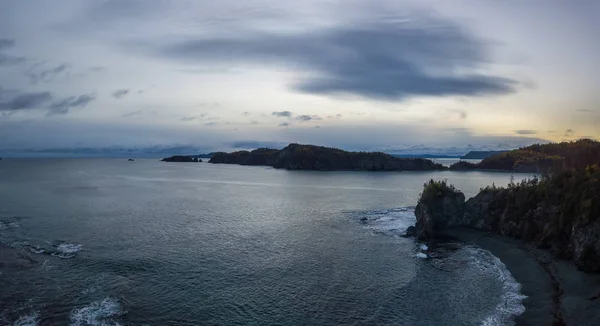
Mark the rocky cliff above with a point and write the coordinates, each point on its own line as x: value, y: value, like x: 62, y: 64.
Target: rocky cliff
x: 560, y: 213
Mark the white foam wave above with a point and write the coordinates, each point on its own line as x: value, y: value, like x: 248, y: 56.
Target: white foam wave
x: 98, y: 313
x: 68, y: 248
x: 388, y: 221
x: 424, y: 247
x: 36, y: 249
x: 27, y: 320
x: 421, y: 255
x: 511, y: 302
x: 5, y: 225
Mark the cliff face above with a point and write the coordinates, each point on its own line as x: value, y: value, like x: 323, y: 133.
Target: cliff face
x: 309, y: 157
x: 560, y: 213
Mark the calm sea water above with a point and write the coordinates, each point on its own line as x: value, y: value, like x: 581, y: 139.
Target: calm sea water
x: 153, y: 243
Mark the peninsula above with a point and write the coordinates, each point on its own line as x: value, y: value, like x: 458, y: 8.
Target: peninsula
x: 539, y: 158
x: 546, y: 229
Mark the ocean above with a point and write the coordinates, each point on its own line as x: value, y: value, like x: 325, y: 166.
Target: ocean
x: 154, y: 243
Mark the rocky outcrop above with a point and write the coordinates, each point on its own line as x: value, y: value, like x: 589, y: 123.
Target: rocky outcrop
x: 560, y: 213
x: 438, y: 208
x: 181, y: 158
x: 309, y: 157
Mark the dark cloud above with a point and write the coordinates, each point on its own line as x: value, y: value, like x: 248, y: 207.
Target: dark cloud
x: 190, y: 118
x: 282, y: 114
x: 211, y: 123
x: 525, y: 132
x: 7, y: 59
x: 120, y: 93
x: 284, y: 124
x: 25, y: 101
x: 306, y: 117
x: 375, y: 59
x: 246, y: 113
x: 569, y: 133
x: 6, y: 43
x: 63, y: 106
x: 43, y: 100
x: 551, y: 131
x: 47, y: 75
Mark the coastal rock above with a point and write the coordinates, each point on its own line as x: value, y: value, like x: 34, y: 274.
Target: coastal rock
x: 411, y: 231
x: 439, y: 207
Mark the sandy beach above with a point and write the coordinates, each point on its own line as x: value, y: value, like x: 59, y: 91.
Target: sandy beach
x: 557, y: 293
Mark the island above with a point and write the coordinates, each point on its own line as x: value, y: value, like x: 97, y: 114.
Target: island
x: 181, y: 158
x: 538, y: 158
x: 480, y: 155
x: 311, y: 157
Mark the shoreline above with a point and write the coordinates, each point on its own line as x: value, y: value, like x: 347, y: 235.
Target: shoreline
x: 557, y: 292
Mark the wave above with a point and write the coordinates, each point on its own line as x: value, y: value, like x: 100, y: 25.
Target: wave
x: 9, y: 224
x: 59, y: 249
x: 511, y: 302
x: 393, y: 221
x: 98, y: 313
x: 27, y: 320
x: 68, y: 248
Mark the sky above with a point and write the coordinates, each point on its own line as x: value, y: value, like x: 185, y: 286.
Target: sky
x: 413, y: 76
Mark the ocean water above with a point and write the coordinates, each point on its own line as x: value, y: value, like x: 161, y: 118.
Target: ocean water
x: 154, y: 243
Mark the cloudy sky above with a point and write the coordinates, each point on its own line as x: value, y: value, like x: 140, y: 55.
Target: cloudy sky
x: 420, y: 75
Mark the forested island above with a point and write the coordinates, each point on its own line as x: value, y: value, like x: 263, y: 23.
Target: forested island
x: 182, y: 159
x: 310, y: 157
x: 539, y: 158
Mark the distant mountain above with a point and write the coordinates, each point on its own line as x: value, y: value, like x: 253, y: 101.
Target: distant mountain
x: 479, y: 155
x: 310, y: 157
